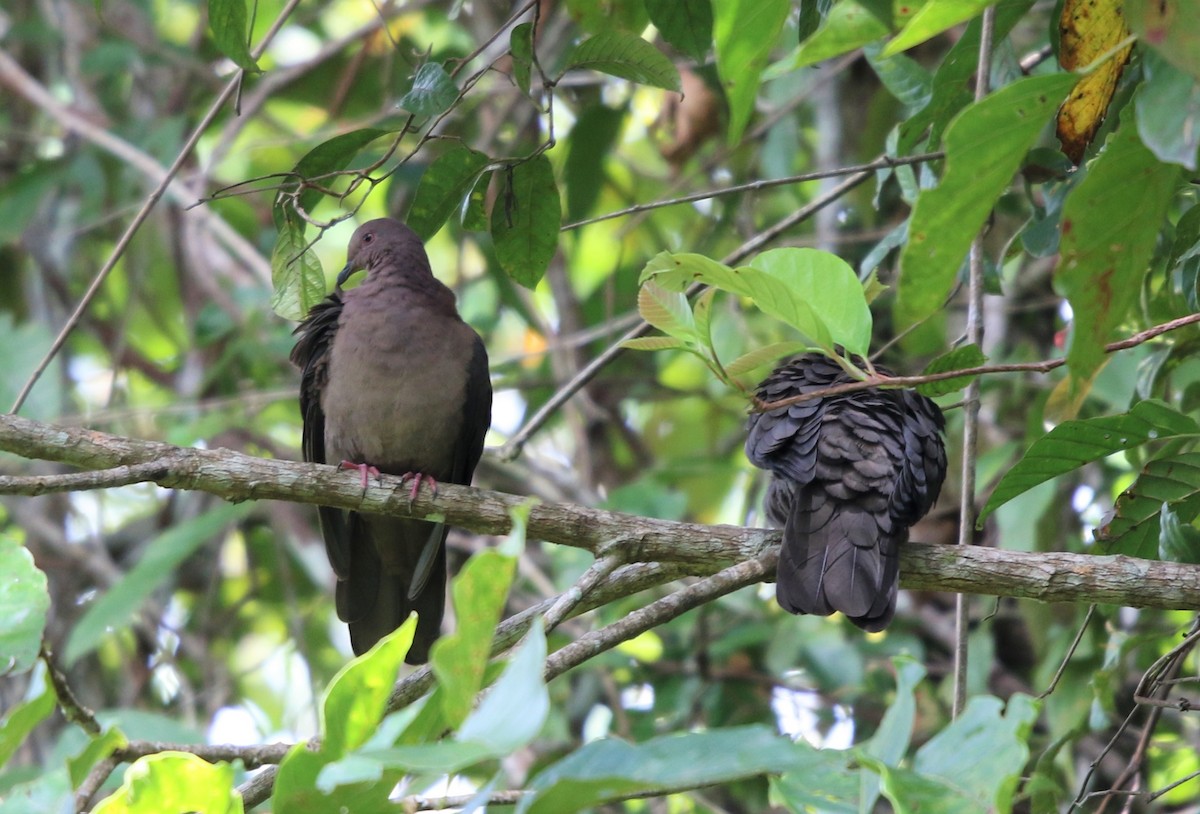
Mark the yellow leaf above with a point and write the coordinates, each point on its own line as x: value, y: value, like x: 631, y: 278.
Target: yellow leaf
x: 1090, y: 30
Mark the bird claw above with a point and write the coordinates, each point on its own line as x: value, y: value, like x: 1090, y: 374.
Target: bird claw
x: 366, y: 470
x: 417, y: 477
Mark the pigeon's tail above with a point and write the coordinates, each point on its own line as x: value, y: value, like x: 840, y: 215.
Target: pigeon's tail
x: 387, y: 579
x: 837, y: 556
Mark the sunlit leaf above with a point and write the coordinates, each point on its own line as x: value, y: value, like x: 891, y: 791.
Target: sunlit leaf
x: 666, y: 310
x: 22, y: 718
x: 356, y: 697
x: 626, y: 56
x: 932, y: 19
x: 1074, y: 443
x: 174, y: 781
x: 328, y: 157
x: 654, y: 343
x: 1090, y: 29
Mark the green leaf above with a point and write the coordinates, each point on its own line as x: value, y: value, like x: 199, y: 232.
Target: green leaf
x: 525, y: 221
x: 654, y: 343
x: 116, y: 606
x: 849, y: 24
x: 608, y: 769
x: 1170, y: 27
x: 21, y: 719
x: 669, y: 311
x: 957, y: 359
x: 460, y: 659
x: 474, y: 216
x: 589, y: 144
x: 433, y: 91
x: 1135, y: 528
x: 951, y: 86
x: 512, y: 712
x: 97, y: 749
x: 297, y: 278
x: 1177, y: 541
x: 444, y: 186
x: 821, y: 780
x: 758, y: 357
x: 932, y: 19
x: 230, y: 28
x: 1073, y: 443
x: 24, y: 602
x: 830, y: 287
x: 357, y: 697
x: 890, y: 742
x: 1110, y: 224
x: 984, y: 148
x: 772, y: 295
x: 50, y: 792
x: 319, y: 163
x: 626, y: 56
x: 520, y: 46
x: 745, y: 31
x: 174, y: 781
x: 980, y: 755
x: 686, y: 24
x: 905, y: 78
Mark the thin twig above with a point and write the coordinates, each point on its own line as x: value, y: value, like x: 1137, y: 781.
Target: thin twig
x: 970, y: 444
x: 1062, y: 667
x: 569, y: 599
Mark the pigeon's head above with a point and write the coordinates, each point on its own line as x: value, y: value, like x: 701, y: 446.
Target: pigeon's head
x: 381, y: 242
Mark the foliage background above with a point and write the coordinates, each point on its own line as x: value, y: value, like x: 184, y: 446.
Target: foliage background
x: 181, y: 619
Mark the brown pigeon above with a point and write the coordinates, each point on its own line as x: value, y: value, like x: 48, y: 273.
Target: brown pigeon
x: 393, y: 381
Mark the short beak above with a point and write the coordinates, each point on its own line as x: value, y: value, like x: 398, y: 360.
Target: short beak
x: 345, y: 274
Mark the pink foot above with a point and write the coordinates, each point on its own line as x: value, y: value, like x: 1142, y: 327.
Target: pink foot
x: 366, y: 470
x: 417, y: 477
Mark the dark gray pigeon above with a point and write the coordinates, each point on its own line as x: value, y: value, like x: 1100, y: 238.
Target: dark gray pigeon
x: 849, y: 475
x: 393, y: 381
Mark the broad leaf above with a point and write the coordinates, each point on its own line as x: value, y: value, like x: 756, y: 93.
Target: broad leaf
x: 1170, y: 27
x: 758, y: 357
x: 1135, y: 528
x: 589, y: 144
x: 958, y: 359
x: 432, y: 93
x: 686, y: 24
x: 1178, y: 541
x: 174, y: 781
x: 1111, y: 221
x: 357, y: 696
x: 459, y: 660
x: 444, y: 186
x: 24, y: 602
x: 745, y: 31
x: 984, y: 148
x: 1074, y: 443
x: 514, y: 708
x: 231, y: 30
x: 520, y: 47
x: 22, y: 718
x: 297, y: 279
x: 932, y: 19
x: 328, y: 157
x: 666, y: 310
x: 1168, y: 112
x: 626, y: 56
x: 1090, y: 30
x: 607, y: 769
x: 525, y: 220
x: 115, y: 607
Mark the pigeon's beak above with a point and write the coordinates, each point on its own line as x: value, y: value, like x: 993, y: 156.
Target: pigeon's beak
x: 345, y: 274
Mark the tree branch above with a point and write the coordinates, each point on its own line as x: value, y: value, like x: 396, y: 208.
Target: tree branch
x: 700, y: 549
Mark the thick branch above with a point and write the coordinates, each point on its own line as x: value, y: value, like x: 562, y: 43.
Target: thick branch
x: 1050, y: 577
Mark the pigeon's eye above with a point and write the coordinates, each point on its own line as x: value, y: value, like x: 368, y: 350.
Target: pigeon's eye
x: 368, y: 237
